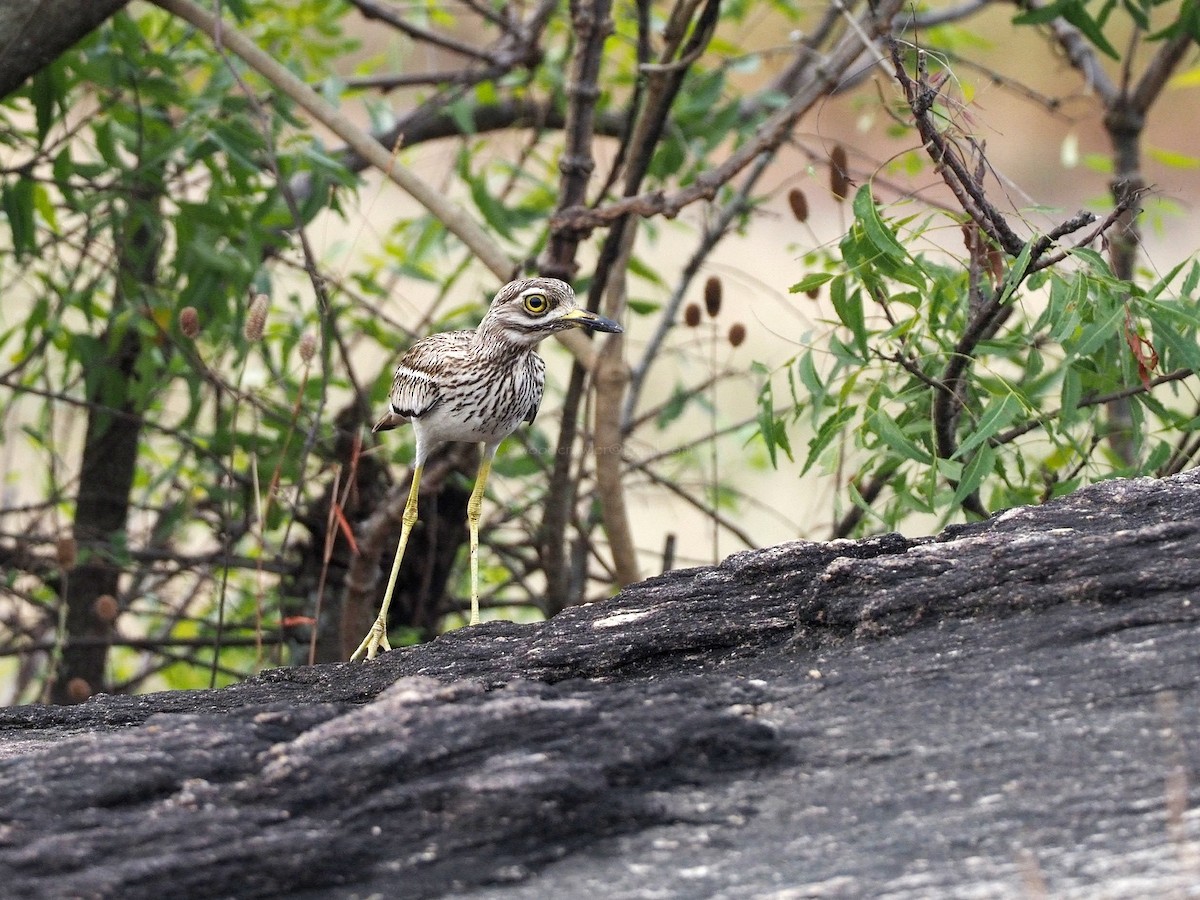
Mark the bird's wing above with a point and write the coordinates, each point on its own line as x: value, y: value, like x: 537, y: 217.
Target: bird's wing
x: 414, y: 392
x: 416, y: 385
x: 538, y: 371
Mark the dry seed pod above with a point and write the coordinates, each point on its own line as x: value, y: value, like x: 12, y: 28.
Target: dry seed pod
x: 189, y: 322
x: 996, y: 259
x: 105, y: 608
x: 737, y: 334
x: 712, y: 296
x: 813, y: 293
x: 308, y: 347
x: 256, y: 320
x: 691, y: 315
x: 799, y: 204
x: 67, y: 551
x: 970, y: 233
x: 78, y: 690
x: 839, y: 172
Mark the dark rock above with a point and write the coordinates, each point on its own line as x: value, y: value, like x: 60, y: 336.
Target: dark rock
x: 1008, y: 709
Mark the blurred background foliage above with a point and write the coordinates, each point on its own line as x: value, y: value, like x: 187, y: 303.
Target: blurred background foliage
x: 206, y: 289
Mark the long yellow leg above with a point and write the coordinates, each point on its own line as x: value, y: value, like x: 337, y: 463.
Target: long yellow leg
x: 473, y: 507
x: 377, y: 636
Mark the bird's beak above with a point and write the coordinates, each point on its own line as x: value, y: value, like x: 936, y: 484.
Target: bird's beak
x: 580, y: 316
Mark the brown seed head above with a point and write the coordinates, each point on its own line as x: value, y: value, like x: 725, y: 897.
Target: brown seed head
x: 67, y: 551
x: 106, y: 609
x: 712, y: 296
x: 799, y: 204
x: 308, y: 347
x: 737, y: 334
x: 78, y: 690
x: 839, y: 172
x: 256, y: 319
x: 691, y: 315
x: 189, y: 322
x: 813, y: 293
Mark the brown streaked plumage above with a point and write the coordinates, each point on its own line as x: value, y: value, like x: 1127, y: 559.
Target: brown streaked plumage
x: 475, y: 386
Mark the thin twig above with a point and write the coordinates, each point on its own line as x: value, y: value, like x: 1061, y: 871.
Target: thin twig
x: 451, y: 215
x: 714, y: 232
x: 825, y: 76
x: 371, y: 9
x: 1006, y: 437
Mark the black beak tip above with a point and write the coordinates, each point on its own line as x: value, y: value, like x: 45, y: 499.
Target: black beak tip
x: 602, y: 324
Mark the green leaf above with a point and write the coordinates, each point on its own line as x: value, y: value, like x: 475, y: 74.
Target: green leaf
x: 674, y: 407
x: 462, y: 112
x: 45, y: 90
x: 811, y: 380
x: 884, y: 424
x: 881, y: 237
x: 17, y: 201
x: 978, y: 467
x: 830, y: 430
x: 1068, y: 299
x: 669, y: 158
x: 492, y: 210
x: 1016, y: 272
x: 645, y: 270
x: 1161, y: 285
x: 1138, y: 13
x: 1041, y: 15
x: 811, y: 282
x: 1077, y: 15
x: 1072, y: 11
x: 1098, y: 333
x: 770, y: 428
x: 643, y: 307
x: 849, y: 308
x: 1191, y: 281
x: 45, y: 207
x: 1072, y: 390
x: 995, y: 417
x: 1173, y: 159
x: 1175, y: 337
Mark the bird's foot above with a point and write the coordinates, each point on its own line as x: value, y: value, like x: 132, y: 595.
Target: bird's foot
x: 376, y: 638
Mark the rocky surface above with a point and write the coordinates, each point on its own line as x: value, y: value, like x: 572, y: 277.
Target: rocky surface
x: 1007, y: 709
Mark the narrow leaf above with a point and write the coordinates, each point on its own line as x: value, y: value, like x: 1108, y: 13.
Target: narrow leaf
x: 995, y: 417
x: 878, y: 233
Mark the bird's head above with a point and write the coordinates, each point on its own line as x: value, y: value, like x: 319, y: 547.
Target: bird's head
x: 525, y: 312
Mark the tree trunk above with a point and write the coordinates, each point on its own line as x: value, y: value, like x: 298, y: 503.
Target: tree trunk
x: 109, y: 458
x: 1124, y: 124
x: 34, y: 34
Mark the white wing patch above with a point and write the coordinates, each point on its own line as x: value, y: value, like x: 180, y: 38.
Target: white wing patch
x: 414, y: 392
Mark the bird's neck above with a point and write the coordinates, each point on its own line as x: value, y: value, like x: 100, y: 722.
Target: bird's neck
x: 493, y: 340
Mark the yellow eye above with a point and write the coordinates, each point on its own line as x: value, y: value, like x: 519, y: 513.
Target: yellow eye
x: 536, y: 304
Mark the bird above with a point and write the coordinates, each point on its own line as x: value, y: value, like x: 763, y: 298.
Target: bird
x: 477, y: 386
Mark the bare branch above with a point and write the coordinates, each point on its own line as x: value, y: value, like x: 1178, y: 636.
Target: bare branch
x: 593, y: 24
x: 1157, y: 73
x: 934, y: 17
x: 372, y: 9
x: 1080, y: 54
